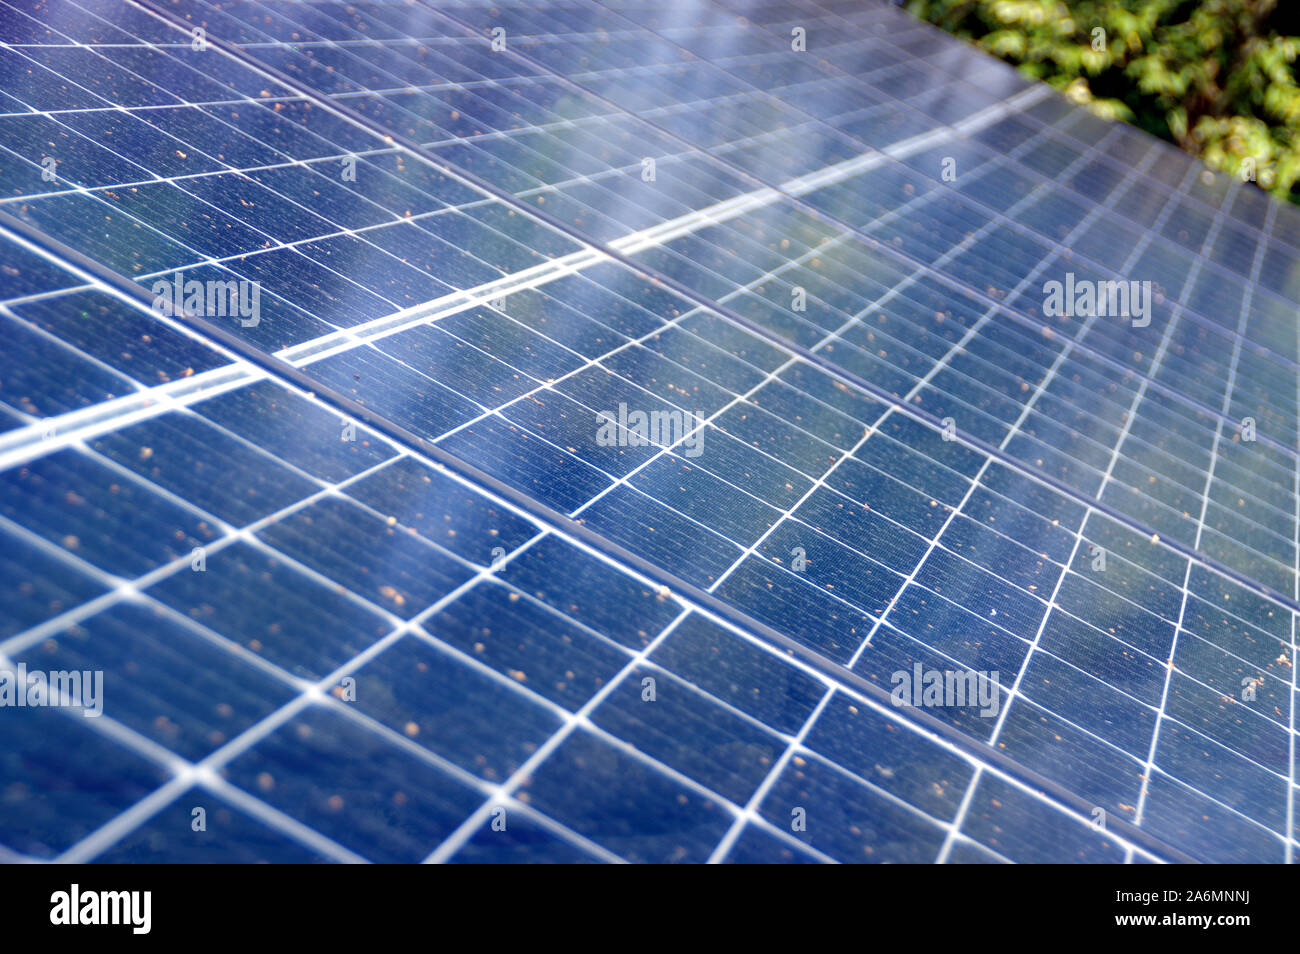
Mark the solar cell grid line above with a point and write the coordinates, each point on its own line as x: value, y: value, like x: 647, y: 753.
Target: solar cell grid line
x: 40, y: 295
x: 268, y: 99
x: 219, y: 335
x: 734, y: 53
x: 750, y: 812
x: 878, y: 302
x: 354, y: 24
x: 181, y: 180
x: 752, y: 547
x: 125, y: 106
x: 587, y: 364
x: 1078, y: 537
x: 1202, y: 196
x: 788, y: 754
x: 180, y: 782
x: 401, y: 626
x: 1205, y: 501
x: 910, y: 579
x: 1078, y: 540
x: 975, y: 480
x: 1292, y: 834
x: 177, y: 349
x: 230, y: 533
x: 451, y: 303
x: 630, y: 70
x: 458, y: 837
x: 129, y: 588
x: 348, y: 28
x: 201, y: 260
x: 516, y: 399
x: 1161, y: 711
x: 1065, y: 657
x: 772, y: 375
x: 360, y: 476
x: 1213, y: 263
x: 394, y: 219
x: 447, y: 848
x: 203, y: 385
x: 128, y: 821
x: 132, y: 387
x: 147, y: 745
x: 1183, y: 635
x: 581, y: 717
x: 56, y: 343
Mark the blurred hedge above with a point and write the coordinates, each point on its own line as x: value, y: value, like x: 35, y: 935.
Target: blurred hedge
x: 1217, y: 77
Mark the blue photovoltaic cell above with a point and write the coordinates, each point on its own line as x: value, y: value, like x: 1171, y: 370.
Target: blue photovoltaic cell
x: 383, y: 555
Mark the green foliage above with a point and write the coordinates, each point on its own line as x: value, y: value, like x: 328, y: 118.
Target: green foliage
x: 1216, y: 77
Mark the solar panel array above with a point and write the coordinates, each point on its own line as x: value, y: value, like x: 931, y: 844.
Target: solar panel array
x: 363, y: 580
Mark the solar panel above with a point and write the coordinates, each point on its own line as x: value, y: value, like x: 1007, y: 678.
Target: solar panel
x: 612, y: 431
